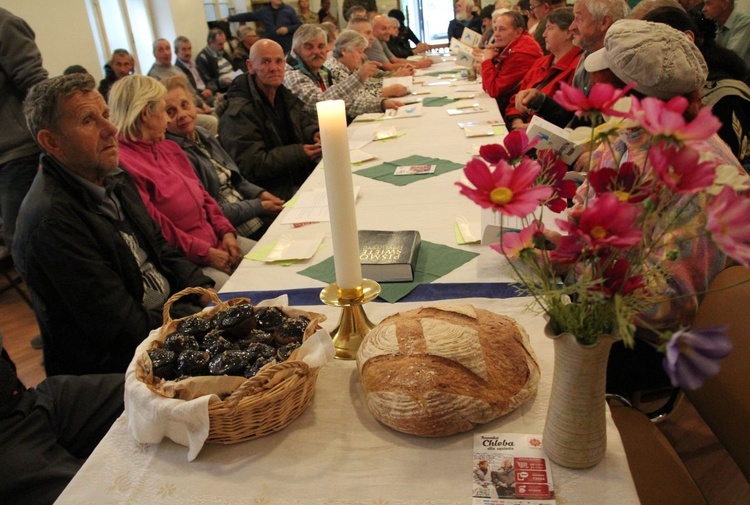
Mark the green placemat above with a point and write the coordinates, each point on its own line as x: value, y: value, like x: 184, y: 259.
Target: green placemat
x: 433, y: 262
x: 437, y: 101
x: 384, y: 171
x: 438, y: 73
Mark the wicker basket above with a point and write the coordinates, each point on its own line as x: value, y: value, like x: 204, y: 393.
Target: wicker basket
x: 262, y: 405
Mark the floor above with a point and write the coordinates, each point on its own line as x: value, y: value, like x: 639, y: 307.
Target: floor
x: 713, y: 469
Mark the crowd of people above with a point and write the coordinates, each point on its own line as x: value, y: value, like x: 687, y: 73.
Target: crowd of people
x: 146, y: 184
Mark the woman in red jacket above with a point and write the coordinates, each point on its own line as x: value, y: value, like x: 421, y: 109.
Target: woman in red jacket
x: 548, y: 72
x: 190, y: 219
x: 506, y: 63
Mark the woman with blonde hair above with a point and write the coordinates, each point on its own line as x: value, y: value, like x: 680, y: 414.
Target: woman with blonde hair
x: 190, y: 219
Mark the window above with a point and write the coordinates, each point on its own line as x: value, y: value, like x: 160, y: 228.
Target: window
x: 122, y: 24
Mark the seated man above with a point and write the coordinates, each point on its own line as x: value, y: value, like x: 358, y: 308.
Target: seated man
x: 247, y: 36
x: 375, y: 86
x: 401, y: 36
x: 734, y: 26
x: 120, y: 65
x: 49, y: 430
x: 355, y: 11
x: 542, y: 9
x: 506, y: 63
x: 183, y: 49
x: 97, y: 265
x: 264, y: 128
x: 504, y: 479
x: 214, y: 63
x: 308, y: 78
x: 465, y: 18
x: 379, y: 52
x: 353, y: 8
x: 163, y: 68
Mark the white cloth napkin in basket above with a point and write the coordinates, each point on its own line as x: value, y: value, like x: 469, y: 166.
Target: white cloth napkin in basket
x: 151, y: 417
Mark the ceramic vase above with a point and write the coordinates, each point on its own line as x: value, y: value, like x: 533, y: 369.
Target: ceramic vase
x: 575, y: 432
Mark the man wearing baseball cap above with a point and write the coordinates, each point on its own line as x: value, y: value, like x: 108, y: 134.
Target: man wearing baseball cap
x: 663, y: 63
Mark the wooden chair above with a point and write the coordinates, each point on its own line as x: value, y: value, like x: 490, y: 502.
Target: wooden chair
x: 723, y: 401
x: 658, y: 472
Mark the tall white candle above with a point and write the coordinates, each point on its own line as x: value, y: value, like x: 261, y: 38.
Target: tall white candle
x: 340, y: 192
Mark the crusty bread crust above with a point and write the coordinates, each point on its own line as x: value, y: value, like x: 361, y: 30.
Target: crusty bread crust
x: 443, y: 369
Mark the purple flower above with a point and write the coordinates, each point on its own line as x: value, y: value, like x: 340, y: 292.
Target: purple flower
x: 693, y: 355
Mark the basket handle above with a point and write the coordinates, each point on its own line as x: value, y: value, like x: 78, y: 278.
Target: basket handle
x: 185, y: 292
x: 267, y: 379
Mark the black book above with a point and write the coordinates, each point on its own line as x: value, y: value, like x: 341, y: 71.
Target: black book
x: 388, y: 256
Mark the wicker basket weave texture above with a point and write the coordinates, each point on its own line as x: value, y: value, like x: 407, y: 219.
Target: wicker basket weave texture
x: 262, y: 405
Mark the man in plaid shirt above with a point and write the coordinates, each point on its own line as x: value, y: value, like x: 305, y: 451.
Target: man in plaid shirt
x: 308, y: 78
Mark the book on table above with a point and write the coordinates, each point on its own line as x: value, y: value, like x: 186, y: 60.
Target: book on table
x: 388, y: 256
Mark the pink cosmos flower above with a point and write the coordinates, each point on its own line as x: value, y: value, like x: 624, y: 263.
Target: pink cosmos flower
x: 510, y: 191
x: 623, y: 182
x: 607, y: 222
x: 601, y: 99
x: 513, y: 244
x: 693, y: 356
x: 516, y: 144
x: 729, y: 226
x: 680, y: 168
x: 665, y: 119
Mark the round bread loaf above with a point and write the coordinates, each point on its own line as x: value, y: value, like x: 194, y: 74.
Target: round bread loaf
x: 443, y: 369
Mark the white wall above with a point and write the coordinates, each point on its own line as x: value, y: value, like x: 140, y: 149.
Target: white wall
x: 180, y: 17
x: 63, y: 32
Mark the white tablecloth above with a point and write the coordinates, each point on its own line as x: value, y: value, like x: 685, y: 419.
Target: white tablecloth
x: 336, y: 453
x: 430, y: 205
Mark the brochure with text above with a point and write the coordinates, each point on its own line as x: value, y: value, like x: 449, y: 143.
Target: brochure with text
x: 511, y: 469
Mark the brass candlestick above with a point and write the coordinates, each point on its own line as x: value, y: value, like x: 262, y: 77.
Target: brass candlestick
x: 353, y: 323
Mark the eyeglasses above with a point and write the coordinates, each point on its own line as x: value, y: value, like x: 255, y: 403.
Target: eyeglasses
x: 532, y: 8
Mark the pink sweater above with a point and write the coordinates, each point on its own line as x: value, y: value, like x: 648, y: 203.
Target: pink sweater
x: 190, y: 219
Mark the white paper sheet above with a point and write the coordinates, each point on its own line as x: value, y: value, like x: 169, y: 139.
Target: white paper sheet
x: 311, y: 207
x: 405, y: 81
x: 357, y: 156
x: 287, y: 248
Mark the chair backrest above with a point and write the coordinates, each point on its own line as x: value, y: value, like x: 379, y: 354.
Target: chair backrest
x: 723, y: 401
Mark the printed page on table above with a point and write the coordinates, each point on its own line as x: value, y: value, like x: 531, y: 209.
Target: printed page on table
x: 511, y: 469
x: 412, y: 110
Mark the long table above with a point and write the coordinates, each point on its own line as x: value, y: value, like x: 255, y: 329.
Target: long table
x: 336, y: 452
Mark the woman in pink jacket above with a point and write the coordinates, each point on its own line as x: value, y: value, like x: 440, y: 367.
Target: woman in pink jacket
x: 190, y: 219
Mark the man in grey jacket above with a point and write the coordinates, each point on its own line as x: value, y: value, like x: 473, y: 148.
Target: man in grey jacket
x: 264, y: 129
x: 20, y: 68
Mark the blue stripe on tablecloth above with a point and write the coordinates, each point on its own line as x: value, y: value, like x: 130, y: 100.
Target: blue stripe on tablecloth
x: 423, y: 292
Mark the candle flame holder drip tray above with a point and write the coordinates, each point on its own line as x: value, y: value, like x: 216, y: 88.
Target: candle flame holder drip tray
x: 353, y: 324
